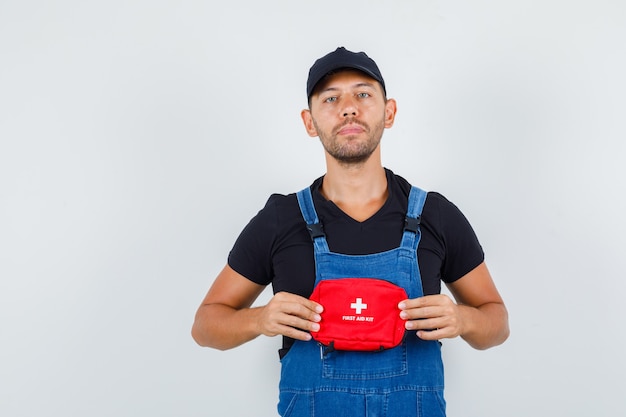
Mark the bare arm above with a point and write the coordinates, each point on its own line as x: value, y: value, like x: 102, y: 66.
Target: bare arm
x: 225, y: 318
x: 480, y: 317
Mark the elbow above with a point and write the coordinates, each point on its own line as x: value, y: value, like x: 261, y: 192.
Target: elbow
x: 201, y: 335
x: 197, y: 336
x: 204, y: 339
x: 499, y: 337
x: 504, y: 329
x: 495, y: 340
x: 498, y: 332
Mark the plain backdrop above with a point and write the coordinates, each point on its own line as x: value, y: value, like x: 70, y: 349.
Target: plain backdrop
x: 137, y: 138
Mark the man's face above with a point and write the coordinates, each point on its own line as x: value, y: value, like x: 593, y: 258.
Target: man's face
x: 349, y: 112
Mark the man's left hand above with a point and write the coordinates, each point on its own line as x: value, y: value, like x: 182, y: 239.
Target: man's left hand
x: 433, y: 317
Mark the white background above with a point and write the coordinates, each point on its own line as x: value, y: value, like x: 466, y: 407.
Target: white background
x: 137, y: 138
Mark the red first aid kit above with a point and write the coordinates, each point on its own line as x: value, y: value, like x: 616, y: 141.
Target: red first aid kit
x: 359, y: 314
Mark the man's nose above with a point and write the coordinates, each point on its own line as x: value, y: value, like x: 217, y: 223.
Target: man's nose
x: 349, y: 108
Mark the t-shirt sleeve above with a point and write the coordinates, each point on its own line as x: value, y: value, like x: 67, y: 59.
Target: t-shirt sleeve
x: 463, y: 250
x: 251, y: 253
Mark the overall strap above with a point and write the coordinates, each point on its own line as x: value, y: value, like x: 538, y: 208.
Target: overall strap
x: 313, y: 225
x: 412, y: 233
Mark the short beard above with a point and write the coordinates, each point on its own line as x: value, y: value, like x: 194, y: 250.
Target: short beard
x: 354, y: 157
x: 346, y: 155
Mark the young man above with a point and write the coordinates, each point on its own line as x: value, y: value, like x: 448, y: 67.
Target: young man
x: 355, y: 230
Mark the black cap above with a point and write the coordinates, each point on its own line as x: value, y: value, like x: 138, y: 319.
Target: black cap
x: 341, y: 58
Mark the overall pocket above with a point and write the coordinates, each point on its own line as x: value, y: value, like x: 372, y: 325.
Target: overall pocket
x: 353, y: 365
x: 295, y: 404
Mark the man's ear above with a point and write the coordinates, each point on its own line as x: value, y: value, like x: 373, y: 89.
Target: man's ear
x: 390, y: 112
x: 308, y: 122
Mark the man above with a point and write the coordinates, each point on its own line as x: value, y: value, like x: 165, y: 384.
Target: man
x: 358, y: 225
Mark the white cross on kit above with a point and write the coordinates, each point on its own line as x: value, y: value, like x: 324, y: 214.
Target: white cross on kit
x: 358, y: 306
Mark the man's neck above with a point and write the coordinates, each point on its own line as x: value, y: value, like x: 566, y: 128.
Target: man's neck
x: 359, y: 190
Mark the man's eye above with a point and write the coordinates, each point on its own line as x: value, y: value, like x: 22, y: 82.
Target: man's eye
x: 363, y: 95
x: 330, y: 99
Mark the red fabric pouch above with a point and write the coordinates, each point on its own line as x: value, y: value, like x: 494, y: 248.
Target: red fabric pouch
x: 359, y: 314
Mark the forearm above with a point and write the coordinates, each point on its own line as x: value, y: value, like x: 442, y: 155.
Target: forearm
x: 485, y: 326
x: 222, y: 327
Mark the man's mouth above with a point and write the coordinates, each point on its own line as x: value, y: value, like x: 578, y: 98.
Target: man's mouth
x: 351, y: 129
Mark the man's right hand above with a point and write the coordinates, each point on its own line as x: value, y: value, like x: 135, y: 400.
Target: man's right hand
x: 290, y: 315
x: 226, y: 318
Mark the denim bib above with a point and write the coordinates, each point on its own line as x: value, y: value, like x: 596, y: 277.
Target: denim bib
x: 405, y: 381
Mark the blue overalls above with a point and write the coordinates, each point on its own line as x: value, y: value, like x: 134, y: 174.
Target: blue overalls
x: 405, y: 381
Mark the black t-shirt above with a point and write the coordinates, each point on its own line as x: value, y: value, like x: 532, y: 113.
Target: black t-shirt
x: 275, y: 247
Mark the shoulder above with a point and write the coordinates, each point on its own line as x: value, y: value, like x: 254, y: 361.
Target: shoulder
x: 281, y: 212
x: 281, y: 202
x: 266, y: 234
x: 288, y: 202
x: 444, y: 213
x: 439, y: 204
x: 440, y: 215
x: 436, y: 203
x: 278, y: 209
